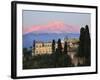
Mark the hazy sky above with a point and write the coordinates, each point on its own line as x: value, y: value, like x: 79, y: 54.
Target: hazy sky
x: 32, y: 18
x: 41, y: 17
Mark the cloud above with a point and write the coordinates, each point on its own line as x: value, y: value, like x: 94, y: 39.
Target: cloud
x: 52, y: 27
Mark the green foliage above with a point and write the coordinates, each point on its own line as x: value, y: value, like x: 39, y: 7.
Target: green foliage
x: 82, y: 41
x: 65, y: 48
x: 47, y: 61
x: 26, y: 54
x: 87, y: 42
x: 53, y: 46
x: 59, y: 47
x: 84, y: 49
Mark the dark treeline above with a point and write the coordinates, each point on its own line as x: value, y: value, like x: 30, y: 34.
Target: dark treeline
x: 61, y: 58
x: 58, y: 58
x: 84, y: 49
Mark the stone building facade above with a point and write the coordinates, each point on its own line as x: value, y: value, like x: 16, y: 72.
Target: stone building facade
x: 46, y: 47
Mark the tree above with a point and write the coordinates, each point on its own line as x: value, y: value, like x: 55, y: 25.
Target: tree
x: 81, y: 43
x: 84, y: 49
x: 65, y: 48
x: 58, y: 53
x: 34, y: 43
x: 87, y: 42
x: 59, y: 47
x: 33, y: 48
x: 25, y: 51
x: 53, y: 46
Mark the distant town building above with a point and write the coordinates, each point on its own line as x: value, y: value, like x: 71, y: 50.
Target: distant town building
x: 40, y: 47
x: 43, y: 48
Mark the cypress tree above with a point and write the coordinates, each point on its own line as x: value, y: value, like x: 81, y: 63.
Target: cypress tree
x: 87, y: 42
x: 33, y: 48
x: 65, y: 47
x: 87, y: 46
x: 81, y: 44
x: 59, y: 48
x: 53, y: 46
x: 84, y: 49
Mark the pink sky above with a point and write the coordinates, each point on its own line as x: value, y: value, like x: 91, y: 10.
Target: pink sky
x: 52, y: 27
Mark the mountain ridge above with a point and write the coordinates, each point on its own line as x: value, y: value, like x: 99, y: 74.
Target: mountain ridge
x: 29, y: 37
x: 52, y: 27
